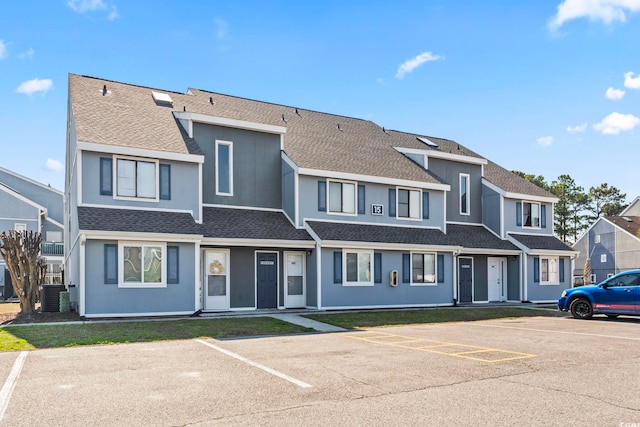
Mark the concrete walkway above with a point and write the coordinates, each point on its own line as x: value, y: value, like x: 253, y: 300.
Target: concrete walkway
x: 306, y: 322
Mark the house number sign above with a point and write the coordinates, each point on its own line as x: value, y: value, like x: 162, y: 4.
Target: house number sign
x: 376, y: 209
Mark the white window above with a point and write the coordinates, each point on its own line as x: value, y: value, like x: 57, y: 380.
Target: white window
x: 358, y: 268
x: 409, y: 203
x: 531, y: 215
x: 342, y: 197
x: 137, y: 178
x: 143, y: 265
x: 596, y: 239
x: 592, y: 279
x: 20, y: 227
x: 54, y: 236
x: 224, y: 168
x: 603, y: 258
x: 464, y: 194
x: 549, y: 270
x: 423, y: 269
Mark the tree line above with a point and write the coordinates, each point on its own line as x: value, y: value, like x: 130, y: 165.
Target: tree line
x: 577, y: 209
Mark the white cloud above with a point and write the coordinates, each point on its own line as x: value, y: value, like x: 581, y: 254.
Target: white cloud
x: 28, y: 54
x: 576, y: 129
x: 82, y: 6
x: 545, y: 141
x: 614, y: 93
x: 3, y: 49
x: 53, y: 165
x: 413, y: 63
x: 615, y: 123
x: 607, y: 11
x: 222, y: 28
x: 36, y: 85
x: 630, y: 81
x: 114, y: 13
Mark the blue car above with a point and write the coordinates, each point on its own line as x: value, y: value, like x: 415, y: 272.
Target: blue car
x: 617, y: 295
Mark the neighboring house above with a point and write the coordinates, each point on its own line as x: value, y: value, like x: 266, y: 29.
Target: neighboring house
x: 181, y: 202
x: 27, y: 205
x: 612, y: 243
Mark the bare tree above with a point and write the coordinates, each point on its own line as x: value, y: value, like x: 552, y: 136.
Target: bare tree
x: 20, y: 251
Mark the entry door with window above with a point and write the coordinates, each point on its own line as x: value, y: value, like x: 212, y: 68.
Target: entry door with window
x: 216, y: 280
x: 267, y: 279
x: 294, y: 296
x: 496, y: 278
x: 465, y: 279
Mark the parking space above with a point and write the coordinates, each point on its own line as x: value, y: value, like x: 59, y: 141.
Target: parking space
x: 570, y: 372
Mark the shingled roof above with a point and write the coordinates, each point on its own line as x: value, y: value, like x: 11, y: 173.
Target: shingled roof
x: 535, y: 242
x: 477, y: 237
x: 380, y: 234
x: 136, y: 221
x: 120, y: 114
x: 630, y: 224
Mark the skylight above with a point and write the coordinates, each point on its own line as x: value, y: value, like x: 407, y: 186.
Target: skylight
x: 428, y: 142
x: 162, y: 97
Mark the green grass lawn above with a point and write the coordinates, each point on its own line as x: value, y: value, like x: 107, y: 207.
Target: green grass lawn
x: 367, y: 319
x: 50, y: 336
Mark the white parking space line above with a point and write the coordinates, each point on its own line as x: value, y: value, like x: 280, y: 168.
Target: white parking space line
x: 557, y: 332
x: 10, y: 383
x: 256, y: 365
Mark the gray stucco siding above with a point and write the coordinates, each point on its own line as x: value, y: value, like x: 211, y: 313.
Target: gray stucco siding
x: 511, y: 224
x: 101, y: 298
x: 627, y: 251
x: 491, y: 203
x: 256, y: 166
x: 336, y: 295
x: 449, y: 172
x: 14, y: 210
x: 603, y: 253
x: 46, y: 197
x: 288, y: 191
x: 374, y: 194
x: 537, y: 292
x: 184, y: 186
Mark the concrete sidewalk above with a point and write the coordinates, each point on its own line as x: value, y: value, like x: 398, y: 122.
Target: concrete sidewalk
x: 305, y: 322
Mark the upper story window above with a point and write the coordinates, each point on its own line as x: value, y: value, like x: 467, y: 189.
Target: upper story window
x: 20, y: 226
x: 464, y: 194
x: 224, y: 168
x: 342, y: 197
x: 136, y: 178
x: 531, y: 214
x: 408, y: 203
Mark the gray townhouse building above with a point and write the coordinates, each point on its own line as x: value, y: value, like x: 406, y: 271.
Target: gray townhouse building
x: 184, y: 202
x: 28, y: 205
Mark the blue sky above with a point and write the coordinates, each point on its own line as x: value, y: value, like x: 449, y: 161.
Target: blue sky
x: 545, y: 87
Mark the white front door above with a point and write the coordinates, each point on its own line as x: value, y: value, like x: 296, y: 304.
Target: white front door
x: 295, y: 286
x: 496, y: 282
x: 216, y: 279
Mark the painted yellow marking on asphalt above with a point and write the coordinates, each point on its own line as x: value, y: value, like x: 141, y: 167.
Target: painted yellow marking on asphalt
x: 463, y: 351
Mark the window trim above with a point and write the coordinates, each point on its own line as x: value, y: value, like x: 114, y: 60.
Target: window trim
x: 549, y: 282
x: 142, y: 245
x: 533, y: 227
x: 156, y: 163
x: 409, y: 218
x: 435, y: 269
x: 355, y: 197
x: 218, y: 143
x: 467, y: 204
x: 20, y: 226
x: 345, y: 267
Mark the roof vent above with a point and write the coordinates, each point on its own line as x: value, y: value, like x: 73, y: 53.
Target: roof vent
x: 297, y: 112
x: 162, y: 98
x: 104, y: 90
x: 284, y: 119
x: 427, y: 141
x: 627, y: 219
x: 385, y: 130
x: 211, y: 100
x: 339, y: 128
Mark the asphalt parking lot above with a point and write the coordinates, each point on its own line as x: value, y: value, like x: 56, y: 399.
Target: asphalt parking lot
x: 525, y: 371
